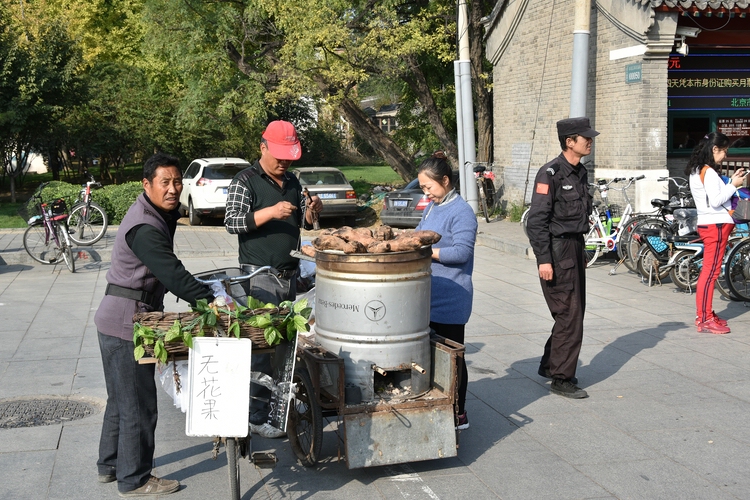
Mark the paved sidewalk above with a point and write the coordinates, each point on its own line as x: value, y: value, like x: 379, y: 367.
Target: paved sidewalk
x: 214, y: 241
x: 666, y: 417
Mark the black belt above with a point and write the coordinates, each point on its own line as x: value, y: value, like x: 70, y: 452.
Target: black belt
x: 130, y: 293
x: 568, y: 236
x: 286, y: 275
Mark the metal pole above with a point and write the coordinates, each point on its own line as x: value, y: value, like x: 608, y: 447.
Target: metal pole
x: 459, y: 127
x: 467, y: 108
x: 579, y: 76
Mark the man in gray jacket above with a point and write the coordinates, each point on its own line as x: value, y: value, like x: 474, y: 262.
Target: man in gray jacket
x: 143, y: 268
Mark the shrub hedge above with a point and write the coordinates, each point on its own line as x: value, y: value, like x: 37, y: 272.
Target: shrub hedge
x: 114, y: 199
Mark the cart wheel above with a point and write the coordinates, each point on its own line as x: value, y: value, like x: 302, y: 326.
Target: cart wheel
x: 233, y: 451
x: 305, y: 424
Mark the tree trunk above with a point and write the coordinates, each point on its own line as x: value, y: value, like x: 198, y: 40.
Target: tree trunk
x: 399, y: 161
x: 378, y: 140
x: 418, y: 83
x: 53, y: 163
x: 482, y: 96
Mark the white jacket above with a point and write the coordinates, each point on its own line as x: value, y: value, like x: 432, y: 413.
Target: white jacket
x: 712, y: 198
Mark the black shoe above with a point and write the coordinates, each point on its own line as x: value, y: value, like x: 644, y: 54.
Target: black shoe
x: 544, y: 372
x: 568, y: 389
x: 107, y: 478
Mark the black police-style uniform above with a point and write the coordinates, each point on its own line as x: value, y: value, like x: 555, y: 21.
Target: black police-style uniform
x: 557, y: 222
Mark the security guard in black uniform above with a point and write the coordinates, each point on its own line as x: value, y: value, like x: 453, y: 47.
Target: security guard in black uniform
x: 556, y: 225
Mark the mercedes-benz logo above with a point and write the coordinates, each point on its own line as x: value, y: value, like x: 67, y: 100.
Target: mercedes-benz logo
x: 375, y: 310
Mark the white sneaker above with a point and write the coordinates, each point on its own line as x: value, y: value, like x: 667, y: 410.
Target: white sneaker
x: 267, y: 431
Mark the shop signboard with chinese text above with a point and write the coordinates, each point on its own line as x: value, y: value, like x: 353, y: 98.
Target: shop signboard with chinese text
x: 709, y: 81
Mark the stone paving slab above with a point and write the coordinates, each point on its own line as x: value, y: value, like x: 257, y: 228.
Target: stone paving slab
x: 666, y: 417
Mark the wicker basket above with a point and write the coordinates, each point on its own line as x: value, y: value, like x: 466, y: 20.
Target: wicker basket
x: 164, y: 321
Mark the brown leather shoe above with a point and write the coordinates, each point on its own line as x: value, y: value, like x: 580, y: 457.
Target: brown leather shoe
x: 154, y: 486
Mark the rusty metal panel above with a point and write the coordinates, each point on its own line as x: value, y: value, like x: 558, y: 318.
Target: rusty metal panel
x: 399, y: 436
x: 445, y: 357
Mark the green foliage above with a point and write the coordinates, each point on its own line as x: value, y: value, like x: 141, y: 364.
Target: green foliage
x: 375, y: 175
x: 117, y: 199
x: 515, y: 212
x: 114, y: 199
x: 9, y: 215
x: 279, y: 324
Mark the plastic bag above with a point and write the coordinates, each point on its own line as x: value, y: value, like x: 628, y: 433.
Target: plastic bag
x: 219, y: 293
x: 169, y: 384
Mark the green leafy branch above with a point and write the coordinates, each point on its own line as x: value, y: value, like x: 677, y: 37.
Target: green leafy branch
x: 145, y: 335
x: 278, y: 324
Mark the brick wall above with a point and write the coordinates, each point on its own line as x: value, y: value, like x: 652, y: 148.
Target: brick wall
x: 532, y: 92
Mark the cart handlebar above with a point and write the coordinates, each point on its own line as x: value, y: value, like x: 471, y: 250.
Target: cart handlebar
x: 231, y: 279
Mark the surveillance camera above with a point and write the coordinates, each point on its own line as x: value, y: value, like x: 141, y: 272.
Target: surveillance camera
x: 687, y: 31
x: 682, y: 49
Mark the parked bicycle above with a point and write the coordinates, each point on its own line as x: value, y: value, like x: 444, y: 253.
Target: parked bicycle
x: 628, y: 247
x: 88, y: 221
x: 485, y: 178
x: 603, y: 236
x: 47, y: 239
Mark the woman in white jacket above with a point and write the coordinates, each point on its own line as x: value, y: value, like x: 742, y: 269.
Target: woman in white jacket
x: 712, y: 199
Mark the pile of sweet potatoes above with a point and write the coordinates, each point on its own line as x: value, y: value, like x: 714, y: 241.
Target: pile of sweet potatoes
x: 364, y: 240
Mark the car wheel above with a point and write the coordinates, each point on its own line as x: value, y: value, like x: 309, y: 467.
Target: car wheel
x: 193, y: 217
x: 350, y: 220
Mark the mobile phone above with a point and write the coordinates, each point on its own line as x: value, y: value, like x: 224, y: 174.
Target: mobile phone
x: 747, y: 171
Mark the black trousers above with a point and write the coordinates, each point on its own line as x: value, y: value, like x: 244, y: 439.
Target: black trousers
x: 456, y: 334
x: 126, y: 445
x: 565, y: 295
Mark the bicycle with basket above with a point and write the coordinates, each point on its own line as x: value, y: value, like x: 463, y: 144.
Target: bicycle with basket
x: 47, y: 239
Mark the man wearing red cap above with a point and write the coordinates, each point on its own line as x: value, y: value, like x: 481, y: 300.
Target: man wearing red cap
x: 266, y: 209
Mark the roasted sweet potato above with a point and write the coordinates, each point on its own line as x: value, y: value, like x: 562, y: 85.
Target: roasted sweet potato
x: 362, y: 235
x: 379, y: 247
x: 308, y: 250
x: 331, y: 242
x: 427, y: 237
x: 383, y: 233
x: 405, y: 244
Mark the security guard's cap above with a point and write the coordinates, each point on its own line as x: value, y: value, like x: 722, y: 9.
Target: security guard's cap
x: 572, y: 126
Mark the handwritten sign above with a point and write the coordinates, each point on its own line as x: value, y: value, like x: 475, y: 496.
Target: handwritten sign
x: 219, y: 390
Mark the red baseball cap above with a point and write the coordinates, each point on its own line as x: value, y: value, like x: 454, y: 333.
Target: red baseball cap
x: 282, y: 140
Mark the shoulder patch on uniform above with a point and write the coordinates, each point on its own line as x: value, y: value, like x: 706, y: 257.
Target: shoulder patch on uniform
x: 542, y: 188
x: 552, y: 170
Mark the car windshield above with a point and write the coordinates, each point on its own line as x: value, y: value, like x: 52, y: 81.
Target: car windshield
x: 322, y: 178
x: 223, y: 172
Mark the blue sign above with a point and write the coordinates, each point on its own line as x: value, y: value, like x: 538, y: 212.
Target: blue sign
x: 633, y: 73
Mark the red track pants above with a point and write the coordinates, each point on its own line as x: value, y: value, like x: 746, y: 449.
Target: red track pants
x: 715, y: 237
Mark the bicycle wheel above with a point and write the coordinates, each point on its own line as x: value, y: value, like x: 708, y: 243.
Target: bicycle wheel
x: 685, y: 271
x: 737, y: 271
x: 87, y: 226
x: 40, y: 245
x: 483, y: 200
x: 65, y: 249
x: 633, y: 247
x: 592, y: 249
x: 624, y: 240
x: 233, y: 452
x: 305, y: 424
x: 650, y: 266
x: 721, y: 282
x: 524, y: 220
